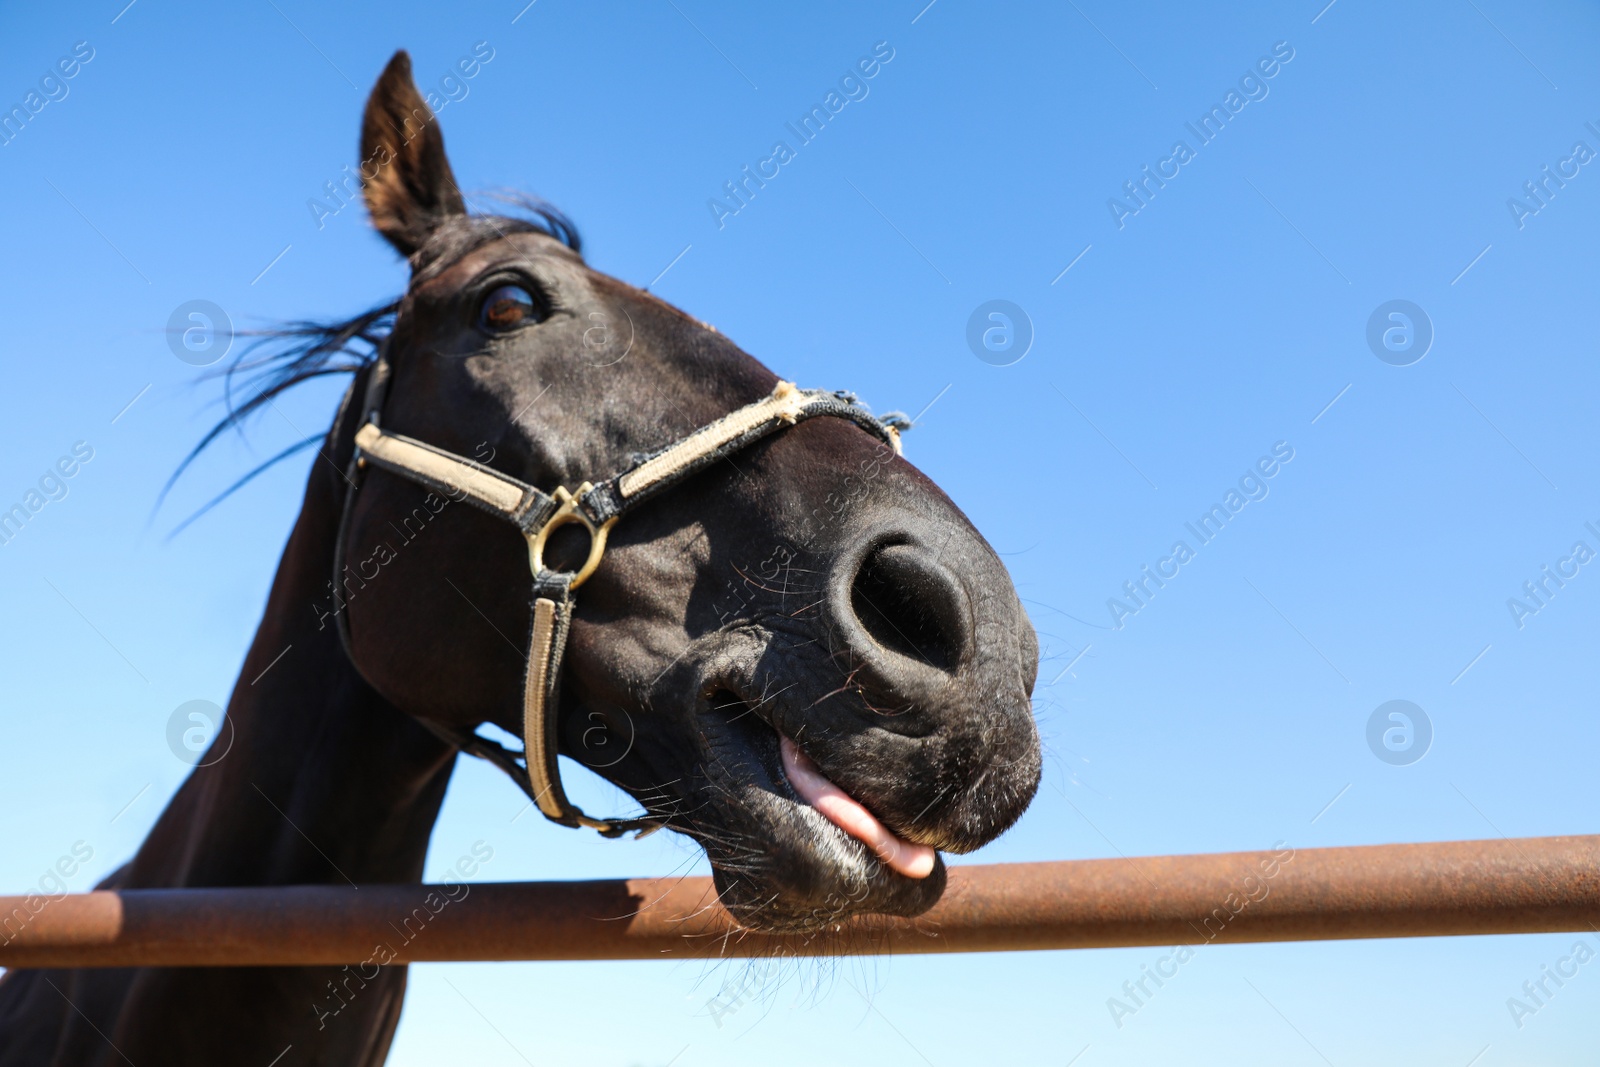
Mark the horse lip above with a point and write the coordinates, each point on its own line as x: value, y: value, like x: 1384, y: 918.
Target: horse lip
x: 914, y: 859
x: 850, y: 815
x: 774, y: 674
x: 775, y: 776
x: 810, y: 874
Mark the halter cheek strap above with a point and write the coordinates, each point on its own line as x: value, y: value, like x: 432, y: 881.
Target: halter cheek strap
x: 537, y: 514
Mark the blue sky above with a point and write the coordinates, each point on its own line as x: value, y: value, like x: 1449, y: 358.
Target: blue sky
x: 1229, y: 313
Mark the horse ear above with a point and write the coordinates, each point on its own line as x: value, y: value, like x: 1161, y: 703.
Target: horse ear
x: 405, y: 176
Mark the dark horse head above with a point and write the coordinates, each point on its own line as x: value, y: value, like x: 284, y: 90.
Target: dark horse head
x: 802, y: 656
x: 805, y: 657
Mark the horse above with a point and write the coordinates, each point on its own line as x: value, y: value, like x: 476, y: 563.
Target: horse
x: 860, y: 707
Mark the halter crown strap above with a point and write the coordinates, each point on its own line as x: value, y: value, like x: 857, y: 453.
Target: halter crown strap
x: 536, y: 514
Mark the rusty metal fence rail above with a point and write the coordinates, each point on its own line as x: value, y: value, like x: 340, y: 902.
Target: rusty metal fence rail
x: 1529, y: 885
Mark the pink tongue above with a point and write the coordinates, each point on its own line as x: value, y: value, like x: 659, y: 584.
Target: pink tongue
x: 841, y: 809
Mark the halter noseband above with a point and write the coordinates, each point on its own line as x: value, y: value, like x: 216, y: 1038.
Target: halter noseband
x: 596, y: 507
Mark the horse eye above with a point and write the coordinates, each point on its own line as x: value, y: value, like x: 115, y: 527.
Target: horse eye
x: 506, y: 308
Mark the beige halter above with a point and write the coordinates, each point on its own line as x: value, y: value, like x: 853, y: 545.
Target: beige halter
x: 537, y: 514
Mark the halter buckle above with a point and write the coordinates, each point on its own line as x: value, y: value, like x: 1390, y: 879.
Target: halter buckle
x: 567, y: 514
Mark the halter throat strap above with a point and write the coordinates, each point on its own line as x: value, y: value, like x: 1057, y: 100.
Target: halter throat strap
x: 537, y: 514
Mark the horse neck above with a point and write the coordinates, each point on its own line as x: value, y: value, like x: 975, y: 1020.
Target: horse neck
x: 325, y: 781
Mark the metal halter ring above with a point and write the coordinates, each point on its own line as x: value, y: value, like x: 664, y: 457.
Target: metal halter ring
x: 566, y: 515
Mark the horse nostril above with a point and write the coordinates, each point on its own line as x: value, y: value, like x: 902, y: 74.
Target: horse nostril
x: 908, y: 604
